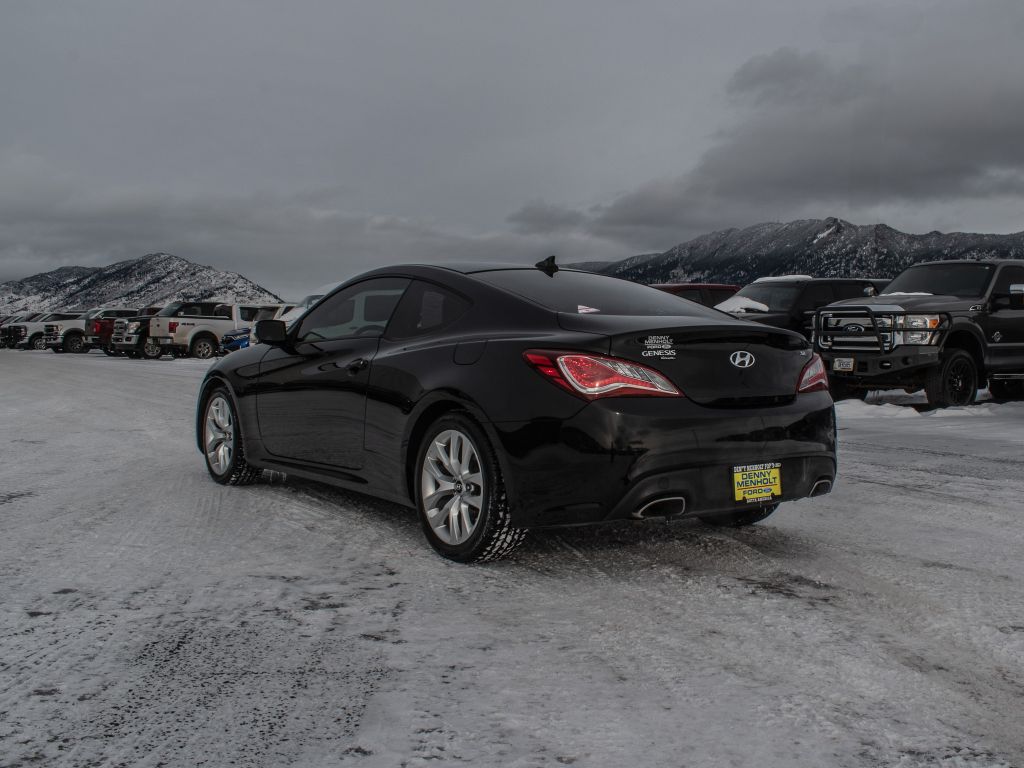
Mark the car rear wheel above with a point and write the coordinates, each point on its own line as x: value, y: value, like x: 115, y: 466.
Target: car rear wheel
x: 954, y: 381
x: 460, y: 493
x: 203, y: 348
x: 222, y: 442
x: 37, y: 342
x: 741, y: 517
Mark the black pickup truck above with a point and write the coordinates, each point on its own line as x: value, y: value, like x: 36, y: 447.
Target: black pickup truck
x: 944, y: 326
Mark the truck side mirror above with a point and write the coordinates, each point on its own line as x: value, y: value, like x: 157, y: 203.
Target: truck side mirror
x: 1017, y: 296
x: 272, y: 332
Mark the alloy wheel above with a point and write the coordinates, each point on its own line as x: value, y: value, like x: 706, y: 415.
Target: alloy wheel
x: 452, y: 486
x: 219, y: 437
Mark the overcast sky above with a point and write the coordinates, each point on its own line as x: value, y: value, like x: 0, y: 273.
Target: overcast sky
x: 299, y: 142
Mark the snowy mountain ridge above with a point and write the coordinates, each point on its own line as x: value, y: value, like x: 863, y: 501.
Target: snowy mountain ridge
x: 157, y: 278
x: 821, y: 247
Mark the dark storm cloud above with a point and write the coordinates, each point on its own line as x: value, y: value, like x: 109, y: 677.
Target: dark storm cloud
x: 922, y: 116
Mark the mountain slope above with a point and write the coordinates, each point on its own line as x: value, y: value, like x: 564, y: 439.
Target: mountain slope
x: 158, y: 278
x: 820, y: 247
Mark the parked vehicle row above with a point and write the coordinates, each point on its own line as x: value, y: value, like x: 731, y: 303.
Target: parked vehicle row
x: 181, y: 329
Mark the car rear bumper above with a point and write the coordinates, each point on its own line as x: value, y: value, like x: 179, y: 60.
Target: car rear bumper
x: 618, y: 456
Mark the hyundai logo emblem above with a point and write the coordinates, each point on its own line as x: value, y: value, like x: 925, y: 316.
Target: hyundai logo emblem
x: 853, y: 328
x: 742, y: 359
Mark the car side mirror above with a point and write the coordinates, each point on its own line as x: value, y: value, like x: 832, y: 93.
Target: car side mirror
x: 273, y: 332
x: 1017, y: 296
x: 870, y: 291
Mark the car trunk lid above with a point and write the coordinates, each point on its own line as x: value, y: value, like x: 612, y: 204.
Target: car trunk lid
x: 727, y: 364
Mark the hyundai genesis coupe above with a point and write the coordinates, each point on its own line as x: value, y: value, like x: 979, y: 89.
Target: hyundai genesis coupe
x: 497, y: 399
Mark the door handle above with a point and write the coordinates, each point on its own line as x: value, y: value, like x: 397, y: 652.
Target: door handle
x: 357, y: 365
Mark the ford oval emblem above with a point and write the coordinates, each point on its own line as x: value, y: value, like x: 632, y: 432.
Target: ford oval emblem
x: 853, y: 328
x: 742, y: 359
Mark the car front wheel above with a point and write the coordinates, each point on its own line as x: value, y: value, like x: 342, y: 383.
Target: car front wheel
x: 222, y: 442
x: 460, y: 493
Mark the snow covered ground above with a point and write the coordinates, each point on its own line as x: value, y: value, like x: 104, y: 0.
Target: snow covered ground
x: 153, y: 618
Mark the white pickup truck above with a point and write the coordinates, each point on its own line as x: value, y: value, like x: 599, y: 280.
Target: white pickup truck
x: 32, y: 335
x: 194, y: 328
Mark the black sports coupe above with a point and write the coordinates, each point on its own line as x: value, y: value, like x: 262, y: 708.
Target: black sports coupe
x: 496, y: 399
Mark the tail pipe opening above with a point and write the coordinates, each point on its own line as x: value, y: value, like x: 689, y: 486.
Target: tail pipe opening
x: 665, y: 506
x: 821, y: 487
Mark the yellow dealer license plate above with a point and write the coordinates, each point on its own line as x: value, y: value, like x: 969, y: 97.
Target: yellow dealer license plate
x: 757, y: 482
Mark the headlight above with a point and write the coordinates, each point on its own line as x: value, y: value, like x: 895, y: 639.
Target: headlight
x: 133, y: 327
x: 920, y: 321
x: 918, y: 329
x: 60, y: 328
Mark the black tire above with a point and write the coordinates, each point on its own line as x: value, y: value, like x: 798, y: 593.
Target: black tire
x: 739, y: 518
x: 203, y: 348
x: 954, y: 381
x: 1003, y: 390
x: 75, y: 344
x: 151, y: 350
x: 492, y: 534
x: 37, y: 342
x: 235, y: 470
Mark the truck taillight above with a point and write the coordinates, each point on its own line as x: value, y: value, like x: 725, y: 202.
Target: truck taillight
x: 172, y: 326
x: 96, y: 325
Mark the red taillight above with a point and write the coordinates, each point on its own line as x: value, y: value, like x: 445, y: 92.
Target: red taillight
x: 594, y: 376
x: 813, y: 377
x: 172, y: 326
x: 96, y: 325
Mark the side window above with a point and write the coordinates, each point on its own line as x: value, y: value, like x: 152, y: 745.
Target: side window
x: 814, y: 296
x: 247, y: 313
x: 424, y: 309
x: 363, y: 309
x: 1007, y: 277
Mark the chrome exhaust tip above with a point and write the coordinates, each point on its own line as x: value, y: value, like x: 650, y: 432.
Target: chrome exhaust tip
x: 821, y: 487
x: 652, y: 508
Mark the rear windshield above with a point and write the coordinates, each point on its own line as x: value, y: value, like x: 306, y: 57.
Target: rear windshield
x: 585, y: 293
x: 964, y: 281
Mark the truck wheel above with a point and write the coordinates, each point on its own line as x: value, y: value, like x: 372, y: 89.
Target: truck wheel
x: 74, y: 344
x: 151, y: 350
x: 37, y: 342
x: 203, y: 348
x: 953, y: 382
x: 1006, y: 389
x: 222, y: 441
x: 739, y: 518
x: 460, y: 493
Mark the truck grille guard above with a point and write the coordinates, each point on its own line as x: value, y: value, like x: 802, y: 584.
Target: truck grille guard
x: 868, y: 329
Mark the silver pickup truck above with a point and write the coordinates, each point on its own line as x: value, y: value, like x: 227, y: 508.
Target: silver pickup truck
x: 194, y: 328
